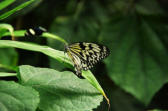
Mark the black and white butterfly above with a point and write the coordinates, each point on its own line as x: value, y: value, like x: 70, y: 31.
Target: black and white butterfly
x: 85, y: 55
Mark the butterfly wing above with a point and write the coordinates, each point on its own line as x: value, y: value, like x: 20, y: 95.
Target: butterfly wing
x: 77, y: 62
x: 89, y: 53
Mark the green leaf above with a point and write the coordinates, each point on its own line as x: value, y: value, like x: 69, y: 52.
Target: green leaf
x: 5, y: 3
x: 58, y: 55
x: 8, y: 58
x: 17, y: 33
x: 60, y: 90
x: 5, y: 15
x: 5, y: 28
x: 4, y: 74
x: 15, y: 97
x: 138, y: 61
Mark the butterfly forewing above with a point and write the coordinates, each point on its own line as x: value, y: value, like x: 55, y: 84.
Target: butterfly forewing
x: 85, y: 55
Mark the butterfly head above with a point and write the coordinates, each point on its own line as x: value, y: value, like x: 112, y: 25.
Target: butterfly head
x: 66, y: 47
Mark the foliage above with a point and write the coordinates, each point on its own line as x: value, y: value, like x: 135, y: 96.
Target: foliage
x: 12, y: 97
x: 60, y: 90
x: 135, y: 31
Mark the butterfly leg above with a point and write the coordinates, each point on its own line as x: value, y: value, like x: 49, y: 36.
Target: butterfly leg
x: 77, y: 64
x: 78, y: 72
x: 79, y: 75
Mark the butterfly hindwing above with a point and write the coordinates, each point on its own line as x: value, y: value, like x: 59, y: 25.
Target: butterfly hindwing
x: 77, y: 62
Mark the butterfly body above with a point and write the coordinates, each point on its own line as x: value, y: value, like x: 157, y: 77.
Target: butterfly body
x: 85, y: 55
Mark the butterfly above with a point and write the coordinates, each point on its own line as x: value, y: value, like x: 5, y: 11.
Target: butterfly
x: 85, y: 55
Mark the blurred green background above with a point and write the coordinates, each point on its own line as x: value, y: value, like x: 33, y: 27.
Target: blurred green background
x: 135, y: 74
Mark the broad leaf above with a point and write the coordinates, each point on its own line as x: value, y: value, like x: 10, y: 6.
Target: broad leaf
x: 138, y: 62
x: 15, y: 97
x: 60, y: 90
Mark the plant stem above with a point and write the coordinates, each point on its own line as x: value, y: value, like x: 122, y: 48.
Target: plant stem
x: 5, y: 74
